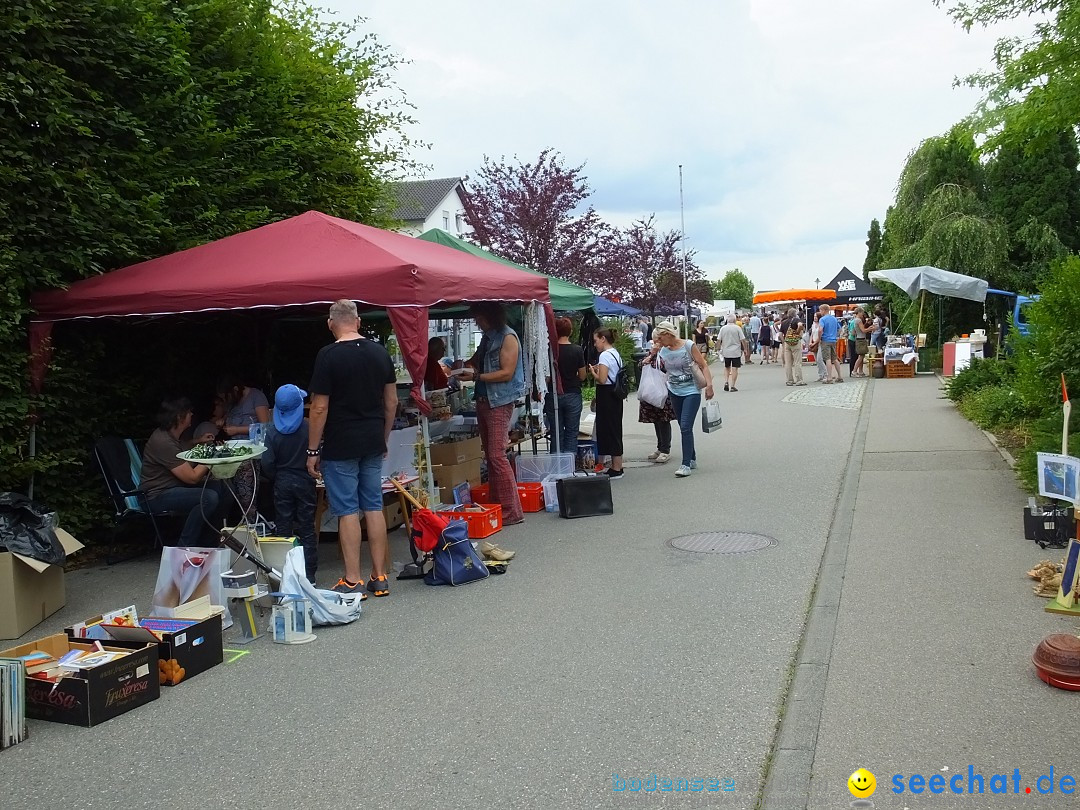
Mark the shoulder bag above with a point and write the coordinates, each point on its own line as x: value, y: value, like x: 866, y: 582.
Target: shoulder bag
x: 695, y: 369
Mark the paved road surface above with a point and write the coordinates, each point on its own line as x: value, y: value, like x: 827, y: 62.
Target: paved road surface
x: 604, y: 655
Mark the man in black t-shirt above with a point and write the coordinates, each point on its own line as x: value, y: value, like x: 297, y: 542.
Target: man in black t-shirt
x: 353, y: 403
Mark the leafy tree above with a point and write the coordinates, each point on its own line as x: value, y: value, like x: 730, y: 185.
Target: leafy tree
x: 133, y: 128
x: 1033, y: 91
x: 645, y: 266
x: 873, y: 250
x: 941, y: 218
x: 1035, y: 191
x: 735, y: 286
x: 531, y: 213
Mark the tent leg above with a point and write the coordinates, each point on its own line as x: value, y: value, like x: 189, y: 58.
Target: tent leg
x: 556, y: 440
x: 922, y: 302
x: 429, y: 474
x: 32, y: 454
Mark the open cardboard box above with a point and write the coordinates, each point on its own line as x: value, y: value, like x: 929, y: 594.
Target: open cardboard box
x: 90, y: 696
x: 186, y: 646
x: 30, y: 590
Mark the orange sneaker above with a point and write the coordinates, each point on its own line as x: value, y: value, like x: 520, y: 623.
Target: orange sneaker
x: 378, y: 586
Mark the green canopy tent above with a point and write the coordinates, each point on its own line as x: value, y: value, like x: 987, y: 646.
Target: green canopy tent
x: 565, y: 297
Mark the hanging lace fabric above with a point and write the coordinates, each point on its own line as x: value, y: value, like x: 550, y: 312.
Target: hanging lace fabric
x: 537, y: 358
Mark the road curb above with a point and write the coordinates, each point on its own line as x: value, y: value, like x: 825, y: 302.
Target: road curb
x: 789, y: 766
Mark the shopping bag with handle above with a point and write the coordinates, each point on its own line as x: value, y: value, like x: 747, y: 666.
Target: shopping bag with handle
x: 710, y: 416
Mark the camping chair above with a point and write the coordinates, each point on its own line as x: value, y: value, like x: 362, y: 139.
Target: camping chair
x: 121, y: 466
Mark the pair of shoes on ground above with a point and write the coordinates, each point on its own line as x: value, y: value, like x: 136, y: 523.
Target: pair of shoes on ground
x: 493, y: 552
x: 657, y: 457
x: 376, y: 586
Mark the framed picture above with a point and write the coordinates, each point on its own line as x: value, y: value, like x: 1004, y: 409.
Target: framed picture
x: 463, y: 494
x: 1059, y: 476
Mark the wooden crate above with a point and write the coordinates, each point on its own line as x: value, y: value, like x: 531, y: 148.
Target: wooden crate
x: 898, y: 370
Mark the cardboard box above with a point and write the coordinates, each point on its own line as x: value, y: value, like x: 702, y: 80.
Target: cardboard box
x: 448, y: 477
x: 186, y: 647
x: 391, y: 513
x: 91, y: 696
x: 456, y: 452
x: 30, y: 590
x: 453, y: 474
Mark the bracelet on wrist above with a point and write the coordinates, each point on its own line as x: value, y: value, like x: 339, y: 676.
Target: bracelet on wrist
x: 313, y: 453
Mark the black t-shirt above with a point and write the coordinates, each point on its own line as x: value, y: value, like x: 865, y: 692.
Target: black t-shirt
x: 353, y: 374
x: 571, y: 358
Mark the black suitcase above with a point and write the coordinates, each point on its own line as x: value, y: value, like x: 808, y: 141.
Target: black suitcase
x: 584, y: 496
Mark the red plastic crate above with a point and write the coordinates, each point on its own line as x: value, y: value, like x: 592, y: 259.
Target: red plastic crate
x: 481, y: 523
x: 531, y: 495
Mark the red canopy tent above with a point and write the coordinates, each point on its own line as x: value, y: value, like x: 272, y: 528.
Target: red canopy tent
x: 307, y: 260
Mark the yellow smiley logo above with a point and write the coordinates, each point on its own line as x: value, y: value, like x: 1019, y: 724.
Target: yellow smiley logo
x: 862, y: 784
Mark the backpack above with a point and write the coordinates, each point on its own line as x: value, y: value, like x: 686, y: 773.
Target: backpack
x: 427, y: 529
x: 621, y: 385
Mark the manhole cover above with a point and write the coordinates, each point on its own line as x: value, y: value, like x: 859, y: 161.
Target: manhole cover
x: 722, y: 542
x: 637, y: 464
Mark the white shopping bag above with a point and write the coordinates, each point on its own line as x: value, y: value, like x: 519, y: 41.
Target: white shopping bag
x: 186, y: 574
x: 710, y: 416
x: 327, y: 607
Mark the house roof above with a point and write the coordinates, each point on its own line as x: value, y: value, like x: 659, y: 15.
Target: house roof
x: 418, y: 198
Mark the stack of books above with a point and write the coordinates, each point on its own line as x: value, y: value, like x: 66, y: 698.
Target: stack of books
x: 12, y: 702
x: 44, y: 667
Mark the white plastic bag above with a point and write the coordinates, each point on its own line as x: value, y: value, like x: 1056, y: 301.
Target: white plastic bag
x: 653, y: 386
x: 327, y: 607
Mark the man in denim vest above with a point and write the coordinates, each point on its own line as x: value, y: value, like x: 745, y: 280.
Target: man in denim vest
x: 500, y: 383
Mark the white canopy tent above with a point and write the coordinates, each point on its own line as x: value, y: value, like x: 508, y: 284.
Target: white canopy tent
x: 915, y: 280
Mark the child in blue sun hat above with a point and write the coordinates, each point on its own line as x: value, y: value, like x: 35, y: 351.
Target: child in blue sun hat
x: 285, y: 461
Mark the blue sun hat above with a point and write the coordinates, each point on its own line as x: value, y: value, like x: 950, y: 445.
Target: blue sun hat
x: 289, y: 408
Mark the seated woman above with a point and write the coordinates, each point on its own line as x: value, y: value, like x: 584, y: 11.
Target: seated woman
x: 244, y: 407
x: 500, y: 382
x: 172, y: 485
x: 435, y: 375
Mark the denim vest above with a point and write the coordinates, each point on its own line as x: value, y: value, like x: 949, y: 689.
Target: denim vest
x: 499, y: 393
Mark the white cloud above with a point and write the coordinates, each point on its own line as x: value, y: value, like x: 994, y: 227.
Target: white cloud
x: 792, y: 119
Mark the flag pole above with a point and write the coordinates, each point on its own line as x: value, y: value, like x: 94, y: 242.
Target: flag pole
x: 682, y: 239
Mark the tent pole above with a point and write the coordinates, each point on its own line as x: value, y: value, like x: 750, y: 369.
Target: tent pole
x: 32, y: 455
x: 555, y: 404
x: 922, y: 301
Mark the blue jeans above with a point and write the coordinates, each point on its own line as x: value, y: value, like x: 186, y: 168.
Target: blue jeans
x: 353, y: 486
x: 686, y: 411
x: 182, y: 499
x: 569, y: 421
x: 294, y: 514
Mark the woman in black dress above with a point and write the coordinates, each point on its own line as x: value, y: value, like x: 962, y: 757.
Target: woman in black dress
x: 609, y: 408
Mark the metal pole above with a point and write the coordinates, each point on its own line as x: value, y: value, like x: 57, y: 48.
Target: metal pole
x: 682, y: 240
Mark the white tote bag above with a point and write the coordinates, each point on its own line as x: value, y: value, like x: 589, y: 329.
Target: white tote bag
x: 653, y: 386
x: 710, y: 416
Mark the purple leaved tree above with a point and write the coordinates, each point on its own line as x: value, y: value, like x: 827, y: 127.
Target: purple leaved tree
x: 643, y: 267
x: 534, y: 214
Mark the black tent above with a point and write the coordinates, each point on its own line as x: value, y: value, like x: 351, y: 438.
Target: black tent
x: 851, y: 289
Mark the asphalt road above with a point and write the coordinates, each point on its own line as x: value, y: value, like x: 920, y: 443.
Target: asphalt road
x: 604, y: 655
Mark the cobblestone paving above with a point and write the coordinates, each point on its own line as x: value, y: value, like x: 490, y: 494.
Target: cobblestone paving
x: 847, y: 395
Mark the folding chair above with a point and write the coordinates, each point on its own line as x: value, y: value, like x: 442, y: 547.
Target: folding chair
x: 121, y: 466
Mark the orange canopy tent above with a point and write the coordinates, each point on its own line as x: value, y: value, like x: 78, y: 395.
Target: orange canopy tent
x: 773, y: 296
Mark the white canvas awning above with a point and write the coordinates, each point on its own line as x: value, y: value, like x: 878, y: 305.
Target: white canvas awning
x: 914, y: 280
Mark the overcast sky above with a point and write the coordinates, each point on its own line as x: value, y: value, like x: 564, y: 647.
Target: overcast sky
x: 791, y: 118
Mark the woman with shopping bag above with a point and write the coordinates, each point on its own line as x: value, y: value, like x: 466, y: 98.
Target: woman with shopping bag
x: 654, y: 404
x: 687, y: 373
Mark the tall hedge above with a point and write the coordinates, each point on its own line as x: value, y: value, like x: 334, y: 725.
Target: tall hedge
x: 133, y: 128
